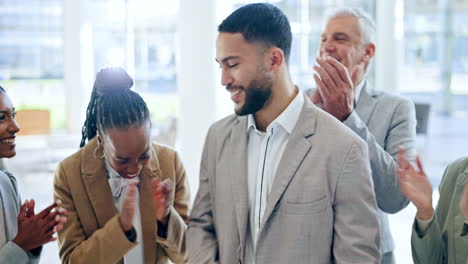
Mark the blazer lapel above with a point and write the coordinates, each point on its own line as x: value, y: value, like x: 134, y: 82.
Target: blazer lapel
x: 238, y: 174
x: 366, y: 103
x: 94, y: 176
x: 147, y: 210
x: 296, y: 150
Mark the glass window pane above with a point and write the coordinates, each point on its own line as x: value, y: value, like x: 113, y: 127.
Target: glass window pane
x: 140, y: 35
x: 31, y: 61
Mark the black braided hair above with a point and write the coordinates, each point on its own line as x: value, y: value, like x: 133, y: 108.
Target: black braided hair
x: 113, y: 104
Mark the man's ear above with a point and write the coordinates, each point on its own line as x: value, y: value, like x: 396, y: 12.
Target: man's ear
x: 276, y: 58
x: 369, y: 52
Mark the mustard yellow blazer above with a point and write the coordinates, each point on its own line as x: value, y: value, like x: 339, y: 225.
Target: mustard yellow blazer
x: 93, y: 234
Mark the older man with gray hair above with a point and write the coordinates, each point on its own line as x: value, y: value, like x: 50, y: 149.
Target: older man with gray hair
x: 384, y: 121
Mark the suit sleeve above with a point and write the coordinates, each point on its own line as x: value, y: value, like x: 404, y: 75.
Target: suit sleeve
x: 107, y: 245
x: 175, y: 242
x: 11, y: 252
x: 202, y: 242
x: 356, y: 226
x: 402, y: 132
x: 429, y: 246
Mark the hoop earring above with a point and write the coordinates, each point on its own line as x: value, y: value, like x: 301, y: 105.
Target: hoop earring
x: 95, y: 154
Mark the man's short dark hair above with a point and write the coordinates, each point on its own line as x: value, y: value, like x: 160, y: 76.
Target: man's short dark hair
x: 263, y: 23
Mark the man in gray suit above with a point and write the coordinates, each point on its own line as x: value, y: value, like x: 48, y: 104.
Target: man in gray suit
x: 384, y: 121
x: 281, y: 181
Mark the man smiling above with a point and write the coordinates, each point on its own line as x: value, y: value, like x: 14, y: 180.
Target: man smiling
x: 384, y: 121
x: 280, y: 181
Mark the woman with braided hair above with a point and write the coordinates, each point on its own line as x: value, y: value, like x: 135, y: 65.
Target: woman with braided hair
x: 127, y: 198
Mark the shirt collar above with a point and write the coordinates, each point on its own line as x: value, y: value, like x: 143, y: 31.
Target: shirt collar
x: 111, y: 173
x: 358, y: 90
x: 287, y: 119
x: 250, y: 123
x: 117, y: 183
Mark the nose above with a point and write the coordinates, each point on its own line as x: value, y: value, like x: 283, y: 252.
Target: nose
x: 14, y: 127
x: 327, y: 46
x: 226, y: 78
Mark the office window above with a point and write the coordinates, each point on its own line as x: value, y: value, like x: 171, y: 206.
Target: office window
x: 433, y: 46
x: 31, y: 61
x: 140, y: 35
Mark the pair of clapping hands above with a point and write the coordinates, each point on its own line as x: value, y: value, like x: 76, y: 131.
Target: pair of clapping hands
x: 335, y: 86
x: 161, y: 202
x: 35, y: 230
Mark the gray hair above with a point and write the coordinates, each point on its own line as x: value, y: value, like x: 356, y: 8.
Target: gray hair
x: 366, y: 23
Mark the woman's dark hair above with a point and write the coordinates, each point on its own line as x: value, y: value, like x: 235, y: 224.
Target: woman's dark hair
x: 113, y: 104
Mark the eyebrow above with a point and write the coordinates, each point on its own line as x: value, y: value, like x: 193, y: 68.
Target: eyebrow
x: 6, y: 111
x: 228, y: 58
x: 341, y: 34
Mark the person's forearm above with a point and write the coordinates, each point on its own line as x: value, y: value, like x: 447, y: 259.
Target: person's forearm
x: 12, y: 253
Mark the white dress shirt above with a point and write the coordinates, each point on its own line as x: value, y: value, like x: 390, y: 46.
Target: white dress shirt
x: 118, y: 185
x: 265, y: 150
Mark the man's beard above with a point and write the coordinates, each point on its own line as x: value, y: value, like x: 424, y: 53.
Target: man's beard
x: 256, y: 96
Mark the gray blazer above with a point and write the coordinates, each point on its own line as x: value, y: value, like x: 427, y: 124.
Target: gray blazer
x: 385, y: 122
x: 321, y: 208
x: 10, y: 204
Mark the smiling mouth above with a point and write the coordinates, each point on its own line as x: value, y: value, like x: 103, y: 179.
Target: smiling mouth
x: 236, y: 92
x: 8, y: 140
x: 130, y: 176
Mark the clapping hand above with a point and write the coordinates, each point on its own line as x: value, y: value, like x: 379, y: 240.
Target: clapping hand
x: 415, y: 185
x: 37, y: 230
